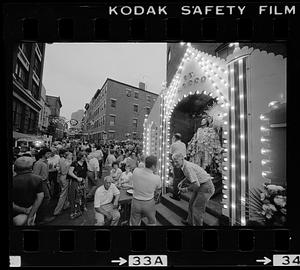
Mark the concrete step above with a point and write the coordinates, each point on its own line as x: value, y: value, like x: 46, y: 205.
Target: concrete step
x: 213, y: 206
x: 167, y: 217
x: 181, y: 209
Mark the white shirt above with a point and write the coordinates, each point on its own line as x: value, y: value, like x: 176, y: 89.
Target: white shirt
x: 54, y: 161
x: 110, y: 159
x: 178, y: 147
x: 126, y: 177
x: 145, y: 182
x: 98, y: 154
x: 93, y: 165
x: 103, y: 196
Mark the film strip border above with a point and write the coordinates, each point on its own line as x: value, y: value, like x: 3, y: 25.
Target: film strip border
x: 60, y: 247
x: 58, y: 22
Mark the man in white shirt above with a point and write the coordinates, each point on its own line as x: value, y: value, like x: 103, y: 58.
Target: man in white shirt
x: 200, y: 184
x: 177, y: 147
x: 146, y: 185
x: 106, y: 203
x: 92, y: 174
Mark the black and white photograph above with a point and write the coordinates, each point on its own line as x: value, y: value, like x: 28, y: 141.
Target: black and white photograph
x: 149, y: 134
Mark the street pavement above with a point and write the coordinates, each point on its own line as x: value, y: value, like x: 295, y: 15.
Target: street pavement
x: 86, y: 219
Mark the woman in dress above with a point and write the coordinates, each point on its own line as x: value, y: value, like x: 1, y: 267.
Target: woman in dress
x: 64, y: 166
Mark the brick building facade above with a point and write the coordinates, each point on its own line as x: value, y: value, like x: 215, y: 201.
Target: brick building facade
x: 117, y: 112
x: 28, y: 62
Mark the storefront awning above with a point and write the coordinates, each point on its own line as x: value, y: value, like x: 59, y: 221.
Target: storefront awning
x: 19, y: 135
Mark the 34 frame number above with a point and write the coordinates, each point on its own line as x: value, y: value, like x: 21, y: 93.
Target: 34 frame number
x: 148, y: 260
x: 286, y: 260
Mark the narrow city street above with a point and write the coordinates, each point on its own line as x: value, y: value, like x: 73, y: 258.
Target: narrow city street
x: 87, y: 218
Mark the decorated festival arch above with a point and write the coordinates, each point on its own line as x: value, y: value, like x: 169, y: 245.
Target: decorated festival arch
x: 210, y: 101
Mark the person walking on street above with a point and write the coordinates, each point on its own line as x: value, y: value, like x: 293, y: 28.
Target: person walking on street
x: 177, y: 147
x: 110, y: 159
x: 64, y: 166
x: 41, y: 168
x: 200, y: 184
x: 146, y: 187
x: 77, y: 175
x: 99, y: 156
x: 92, y: 174
x: 53, y: 161
x: 27, y: 192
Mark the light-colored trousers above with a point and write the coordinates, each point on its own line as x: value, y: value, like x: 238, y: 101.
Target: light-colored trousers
x: 101, y: 220
x: 140, y: 209
x: 198, y: 202
x: 63, y: 197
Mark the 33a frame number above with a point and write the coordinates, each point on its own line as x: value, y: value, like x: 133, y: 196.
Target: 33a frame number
x: 148, y: 260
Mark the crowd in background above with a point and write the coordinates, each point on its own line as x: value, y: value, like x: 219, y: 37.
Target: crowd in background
x: 70, y: 173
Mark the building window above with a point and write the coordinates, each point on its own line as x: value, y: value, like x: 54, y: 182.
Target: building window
x: 113, y: 103
x: 147, y: 110
x: 112, y: 120
x: 36, y: 66
x: 128, y: 93
x: 21, y: 75
x: 135, y: 122
x: 31, y: 124
x: 35, y: 90
x: 134, y: 135
x: 136, y: 95
x: 17, y: 114
x: 148, y: 98
x: 26, y: 48
x: 111, y: 135
x: 224, y: 50
x: 135, y: 108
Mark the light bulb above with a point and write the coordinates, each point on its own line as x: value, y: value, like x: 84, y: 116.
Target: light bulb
x: 225, y: 187
x: 225, y: 206
x: 243, y: 178
x: 242, y: 157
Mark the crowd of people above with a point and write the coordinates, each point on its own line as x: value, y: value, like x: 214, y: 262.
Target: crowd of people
x: 72, y: 173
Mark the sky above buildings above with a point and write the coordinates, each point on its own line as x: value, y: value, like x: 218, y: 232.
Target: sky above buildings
x: 74, y: 71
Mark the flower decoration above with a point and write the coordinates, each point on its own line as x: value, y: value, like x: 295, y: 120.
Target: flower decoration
x: 270, y: 204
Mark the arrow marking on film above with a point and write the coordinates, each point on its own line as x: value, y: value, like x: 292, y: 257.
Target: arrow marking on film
x: 120, y: 261
x: 265, y: 260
